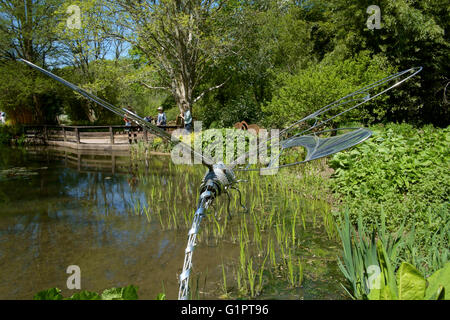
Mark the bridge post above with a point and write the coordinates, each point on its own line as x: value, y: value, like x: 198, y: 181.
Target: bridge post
x: 77, y: 135
x: 45, y: 133
x: 111, y: 135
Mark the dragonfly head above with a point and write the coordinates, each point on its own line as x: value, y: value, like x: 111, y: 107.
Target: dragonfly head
x: 216, y: 180
x: 224, y: 174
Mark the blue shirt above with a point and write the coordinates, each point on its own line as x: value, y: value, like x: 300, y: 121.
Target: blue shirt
x: 187, y: 117
x: 161, y: 121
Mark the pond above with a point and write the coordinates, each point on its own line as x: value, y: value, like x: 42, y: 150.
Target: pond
x: 126, y: 223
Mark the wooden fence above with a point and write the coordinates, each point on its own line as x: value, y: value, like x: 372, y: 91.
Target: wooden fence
x: 89, y: 137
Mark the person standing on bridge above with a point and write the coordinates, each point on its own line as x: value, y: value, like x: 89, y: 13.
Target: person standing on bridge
x: 162, y: 119
x: 187, y: 117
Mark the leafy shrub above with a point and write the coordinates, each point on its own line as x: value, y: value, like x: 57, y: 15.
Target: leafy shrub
x: 10, y: 134
x: 303, y: 93
x: 209, y: 145
x: 229, y: 138
x: 403, y: 172
x: 5, y: 135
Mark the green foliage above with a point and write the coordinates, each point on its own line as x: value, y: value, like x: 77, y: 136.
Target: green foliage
x: 28, y: 97
x: 402, y: 172
x: 125, y: 293
x: 217, y: 143
x: 369, y: 264
x: 49, y: 294
x: 5, y: 135
x: 310, y: 89
x: 161, y: 296
x: 410, y: 284
x: 267, y: 54
x: 403, y: 157
x: 12, y: 135
x: 363, y: 254
x: 438, y: 280
x: 114, y: 81
x: 413, y: 33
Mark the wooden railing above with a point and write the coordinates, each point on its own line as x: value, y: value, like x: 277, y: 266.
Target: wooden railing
x: 113, y: 134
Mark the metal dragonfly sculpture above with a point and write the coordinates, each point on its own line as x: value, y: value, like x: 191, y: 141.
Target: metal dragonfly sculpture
x: 220, y: 177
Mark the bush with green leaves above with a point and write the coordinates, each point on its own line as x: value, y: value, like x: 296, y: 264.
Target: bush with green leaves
x: 298, y: 95
x: 5, y: 135
x: 217, y: 143
x: 402, y: 172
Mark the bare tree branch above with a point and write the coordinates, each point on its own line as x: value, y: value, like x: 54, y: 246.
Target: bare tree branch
x: 209, y: 89
x: 152, y: 87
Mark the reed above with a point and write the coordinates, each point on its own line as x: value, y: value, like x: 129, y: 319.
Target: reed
x: 281, y: 209
x: 224, y: 282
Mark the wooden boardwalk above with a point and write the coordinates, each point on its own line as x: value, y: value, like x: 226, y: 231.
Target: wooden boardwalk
x: 89, y: 137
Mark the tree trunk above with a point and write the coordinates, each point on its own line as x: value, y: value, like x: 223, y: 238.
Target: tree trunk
x: 182, y: 94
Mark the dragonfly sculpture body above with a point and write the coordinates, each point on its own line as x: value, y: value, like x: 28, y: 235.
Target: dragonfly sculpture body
x: 220, y: 177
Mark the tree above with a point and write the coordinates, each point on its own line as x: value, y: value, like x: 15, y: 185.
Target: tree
x: 180, y: 39
x: 26, y: 32
x: 413, y: 33
x: 271, y: 37
x: 86, y: 48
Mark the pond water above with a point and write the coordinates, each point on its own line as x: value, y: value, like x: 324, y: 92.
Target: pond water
x: 97, y: 211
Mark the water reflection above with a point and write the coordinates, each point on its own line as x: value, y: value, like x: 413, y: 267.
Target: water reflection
x: 65, y: 213
x: 61, y: 208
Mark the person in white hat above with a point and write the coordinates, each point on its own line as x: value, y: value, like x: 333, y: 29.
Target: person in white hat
x: 162, y: 120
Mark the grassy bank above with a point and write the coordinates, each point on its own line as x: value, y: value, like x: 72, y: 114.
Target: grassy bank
x: 403, y: 173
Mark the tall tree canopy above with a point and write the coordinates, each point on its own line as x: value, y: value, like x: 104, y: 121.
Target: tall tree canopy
x: 180, y: 39
x: 232, y: 60
x: 26, y: 31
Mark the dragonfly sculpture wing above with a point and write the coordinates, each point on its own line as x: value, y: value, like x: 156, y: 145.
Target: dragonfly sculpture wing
x: 124, y: 112
x: 317, y: 147
x: 299, y: 134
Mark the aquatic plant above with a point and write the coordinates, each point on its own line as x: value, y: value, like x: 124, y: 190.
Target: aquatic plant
x: 361, y: 253
x: 125, y: 293
x: 267, y: 236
